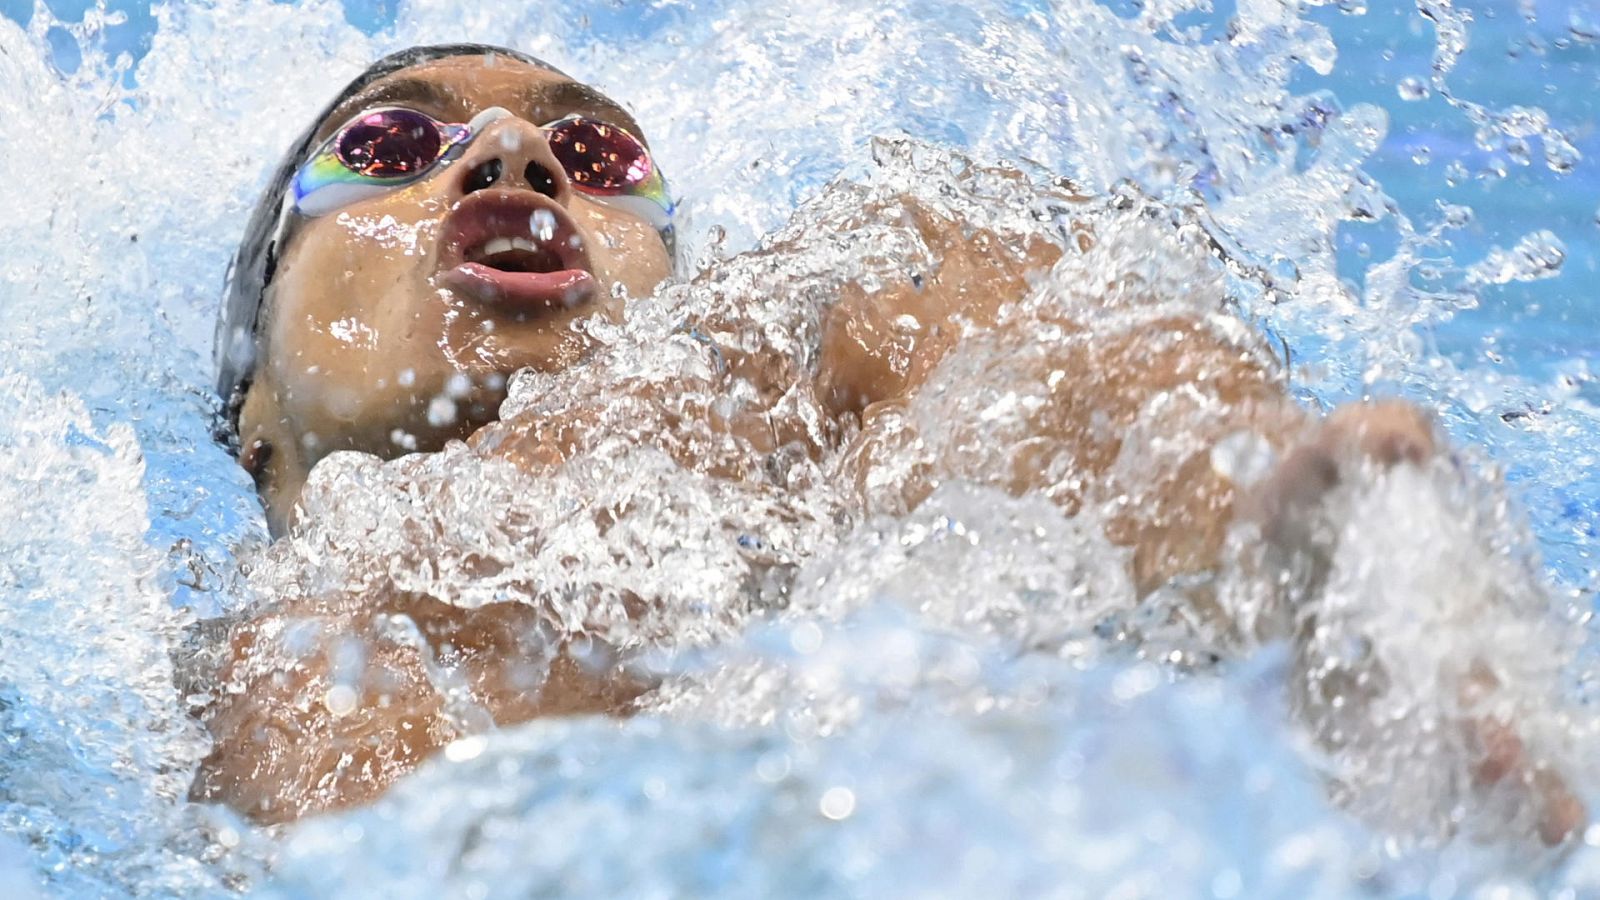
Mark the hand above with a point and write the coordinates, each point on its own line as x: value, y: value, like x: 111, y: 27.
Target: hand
x: 1384, y: 434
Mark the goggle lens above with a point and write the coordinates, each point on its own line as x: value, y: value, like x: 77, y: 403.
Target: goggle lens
x: 383, y: 149
x: 597, y: 156
x: 390, y: 143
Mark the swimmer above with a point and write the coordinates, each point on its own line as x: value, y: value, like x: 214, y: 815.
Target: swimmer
x: 456, y: 210
x: 441, y: 226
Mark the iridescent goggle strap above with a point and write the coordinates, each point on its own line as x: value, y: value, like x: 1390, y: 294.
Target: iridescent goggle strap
x: 648, y: 199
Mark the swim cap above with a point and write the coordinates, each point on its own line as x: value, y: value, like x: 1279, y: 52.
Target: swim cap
x: 253, y: 265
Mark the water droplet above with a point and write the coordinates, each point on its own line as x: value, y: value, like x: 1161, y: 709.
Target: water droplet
x: 543, y: 223
x: 1519, y: 151
x: 467, y: 748
x: 1583, y: 25
x: 773, y: 767
x: 1243, y: 458
x: 806, y: 638
x: 1227, y: 884
x: 1559, y: 153
x: 838, y: 803
x: 340, y: 700
x: 1456, y: 215
x: 1537, y: 256
x: 441, y: 411
x: 1320, y: 55
x: 1412, y: 88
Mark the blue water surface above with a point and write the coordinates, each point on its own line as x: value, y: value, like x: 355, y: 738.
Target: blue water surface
x: 1141, y: 771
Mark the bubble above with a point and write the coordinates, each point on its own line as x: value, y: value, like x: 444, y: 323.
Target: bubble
x: 1412, y: 89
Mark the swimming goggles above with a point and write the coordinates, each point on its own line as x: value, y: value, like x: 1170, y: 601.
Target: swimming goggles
x: 389, y: 147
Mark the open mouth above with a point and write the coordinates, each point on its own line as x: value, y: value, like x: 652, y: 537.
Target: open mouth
x: 516, y: 250
x: 515, y: 254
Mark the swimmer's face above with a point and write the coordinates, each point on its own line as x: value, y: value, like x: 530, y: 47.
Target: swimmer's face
x: 393, y: 322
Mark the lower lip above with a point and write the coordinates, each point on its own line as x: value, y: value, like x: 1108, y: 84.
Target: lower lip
x: 523, y: 291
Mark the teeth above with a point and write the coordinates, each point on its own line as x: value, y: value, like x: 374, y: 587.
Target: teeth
x: 502, y: 244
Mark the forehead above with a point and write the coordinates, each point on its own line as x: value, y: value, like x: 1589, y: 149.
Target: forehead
x: 456, y: 88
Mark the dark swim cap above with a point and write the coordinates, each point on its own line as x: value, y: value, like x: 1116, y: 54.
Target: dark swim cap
x: 252, y: 268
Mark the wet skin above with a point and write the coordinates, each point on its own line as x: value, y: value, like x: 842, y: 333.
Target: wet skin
x: 367, y: 322
x: 362, y: 296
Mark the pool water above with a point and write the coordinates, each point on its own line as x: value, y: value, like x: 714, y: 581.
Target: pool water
x: 940, y: 708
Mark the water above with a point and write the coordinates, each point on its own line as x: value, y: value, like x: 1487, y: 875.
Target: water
x: 961, y: 699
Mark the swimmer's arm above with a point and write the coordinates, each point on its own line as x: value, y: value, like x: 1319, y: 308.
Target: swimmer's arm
x: 880, y: 345
x: 876, y: 345
x: 292, y: 735
x: 1145, y: 417
x: 325, y: 703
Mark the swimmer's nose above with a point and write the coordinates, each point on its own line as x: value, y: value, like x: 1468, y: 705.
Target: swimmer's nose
x: 514, y: 153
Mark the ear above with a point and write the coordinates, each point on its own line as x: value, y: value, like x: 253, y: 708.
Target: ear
x: 270, y: 452
x: 255, y: 458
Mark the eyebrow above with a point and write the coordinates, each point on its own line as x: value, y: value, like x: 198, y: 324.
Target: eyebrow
x: 430, y: 95
x: 567, y: 97
x: 544, y: 103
